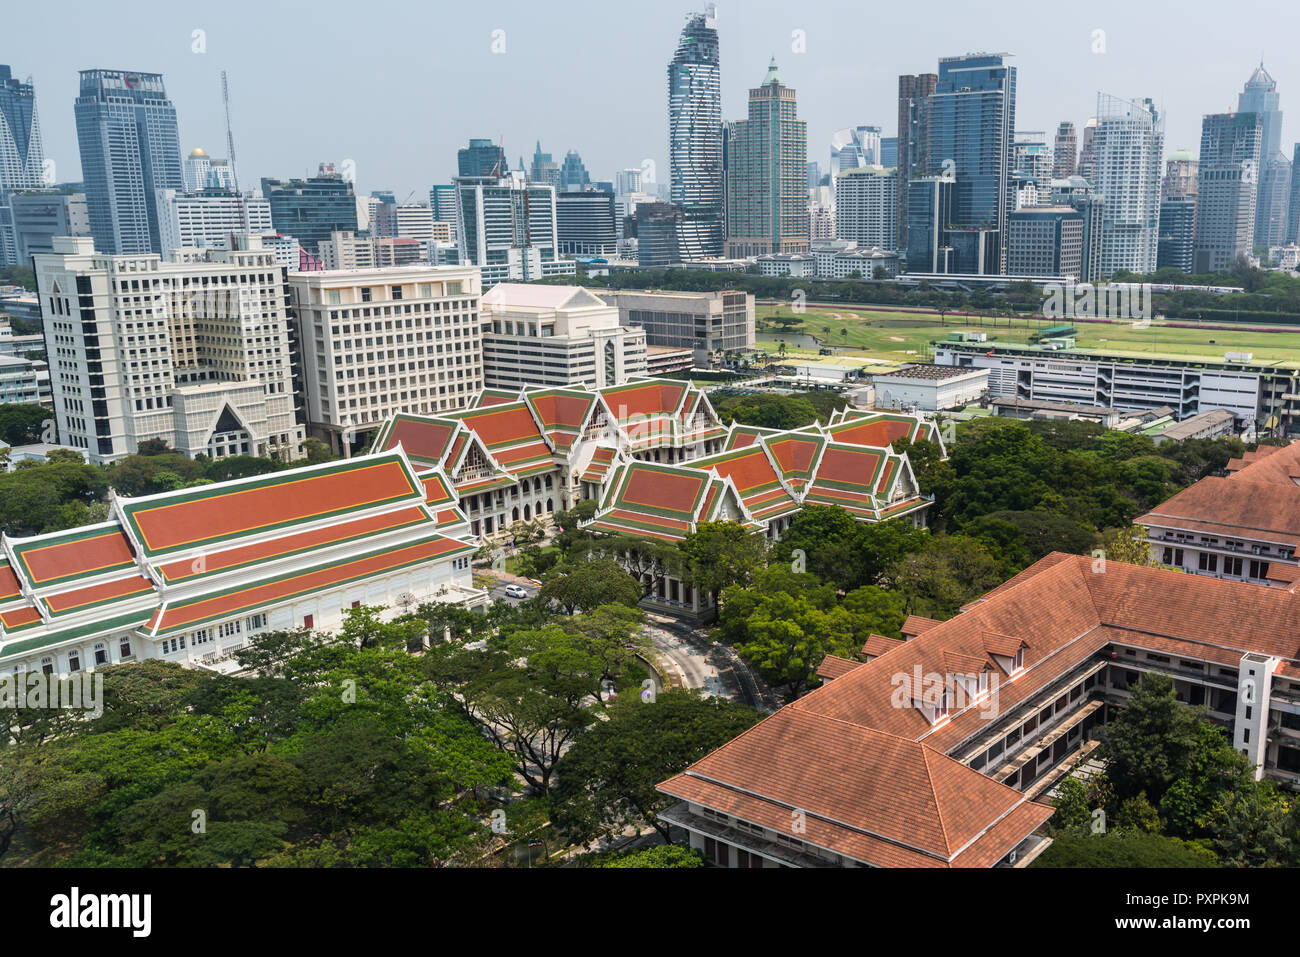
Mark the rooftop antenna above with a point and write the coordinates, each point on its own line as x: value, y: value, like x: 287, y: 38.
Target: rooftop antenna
x: 230, y: 151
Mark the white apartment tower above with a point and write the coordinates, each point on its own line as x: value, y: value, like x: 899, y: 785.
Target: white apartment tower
x: 208, y: 219
x: 193, y: 351
x: 866, y: 204
x: 380, y: 341
x: 1127, y: 149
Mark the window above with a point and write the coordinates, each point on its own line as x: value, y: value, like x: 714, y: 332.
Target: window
x: 365, y: 293
x: 74, y: 661
x: 1258, y: 569
x: 715, y: 851
x: 308, y: 621
x: 1232, y: 566
x: 125, y: 648
x: 101, y: 654
x: 256, y: 621
x: 1208, y: 563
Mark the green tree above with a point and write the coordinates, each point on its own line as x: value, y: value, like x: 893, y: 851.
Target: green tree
x: 1127, y: 849
x: 952, y: 571
x: 584, y: 586
x: 788, y: 638
x: 719, y: 554
x: 661, y: 856
x: 608, y: 779
x: 1150, y: 743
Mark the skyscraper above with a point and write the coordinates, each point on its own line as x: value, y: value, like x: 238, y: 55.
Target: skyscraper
x: 1227, y: 189
x: 1272, y: 208
x: 1087, y: 167
x: 1293, y: 211
x: 544, y: 170
x: 1031, y: 165
x: 866, y: 201
x: 913, y: 149
x: 1066, y: 161
x: 573, y: 174
x: 21, y: 159
x: 130, y: 149
x: 767, y: 174
x: 1176, y: 244
x: 695, y: 136
x: 481, y: 158
x: 1128, y: 145
x: 310, y: 210
x: 1260, y: 95
x: 972, y: 122
x: 508, y: 228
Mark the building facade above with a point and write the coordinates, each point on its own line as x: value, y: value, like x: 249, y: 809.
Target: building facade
x: 1065, y: 161
x: 706, y: 322
x: 22, y: 157
x: 40, y: 216
x: 767, y: 157
x: 913, y: 142
x: 207, y: 219
x: 1128, y: 145
x: 557, y: 337
x: 586, y: 223
x: 508, y: 228
x: 972, y: 125
x: 1227, y: 189
x: 310, y: 210
x: 866, y: 201
x: 1045, y: 241
x: 130, y: 149
x: 1260, y: 95
x: 375, y: 342
x: 195, y: 351
x: 695, y: 151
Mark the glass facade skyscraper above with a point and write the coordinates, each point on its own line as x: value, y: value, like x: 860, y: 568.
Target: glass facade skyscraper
x: 913, y: 146
x: 482, y: 158
x: 972, y: 124
x: 21, y: 158
x: 130, y: 149
x: 1260, y: 95
x: 695, y: 136
x: 310, y: 210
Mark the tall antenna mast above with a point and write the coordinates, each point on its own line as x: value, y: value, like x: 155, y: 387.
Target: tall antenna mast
x: 230, y: 151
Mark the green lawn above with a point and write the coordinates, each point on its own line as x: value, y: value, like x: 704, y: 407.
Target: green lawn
x: 904, y: 337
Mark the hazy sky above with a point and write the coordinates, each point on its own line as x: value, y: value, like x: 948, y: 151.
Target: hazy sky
x: 397, y: 86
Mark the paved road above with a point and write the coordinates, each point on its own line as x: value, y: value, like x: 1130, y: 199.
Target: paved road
x: 694, y: 662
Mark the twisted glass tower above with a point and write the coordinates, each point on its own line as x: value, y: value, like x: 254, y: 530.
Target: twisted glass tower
x: 21, y: 158
x: 695, y: 136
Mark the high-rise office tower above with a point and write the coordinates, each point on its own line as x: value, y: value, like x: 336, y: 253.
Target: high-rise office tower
x: 21, y: 159
x: 573, y: 174
x: 695, y: 136
x: 442, y: 200
x: 658, y: 232
x: 310, y: 210
x: 1066, y: 160
x: 194, y: 171
x: 913, y: 149
x: 1128, y: 145
x: 972, y: 122
x: 481, y: 158
x: 767, y: 174
x: 1272, y: 209
x: 586, y: 224
x: 1176, y: 244
x: 1260, y: 95
x: 627, y: 181
x: 1087, y: 167
x: 1227, y: 189
x: 130, y: 149
x: 889, y: 152
x: 544, y: 170
x: 1045, y: 241
x: 1293, y: 210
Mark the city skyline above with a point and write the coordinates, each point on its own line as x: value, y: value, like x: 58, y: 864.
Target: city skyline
x: 838, y: 86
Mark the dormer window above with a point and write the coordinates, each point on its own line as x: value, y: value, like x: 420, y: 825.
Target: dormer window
x: 941, y: 708
x: 984, y: 681
x: 1018, y: 661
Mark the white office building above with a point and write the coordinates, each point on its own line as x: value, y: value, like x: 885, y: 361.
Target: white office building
x: 206, y: 220
x: 556, y: 336
x: 376, y: 342
x: 193, y: 351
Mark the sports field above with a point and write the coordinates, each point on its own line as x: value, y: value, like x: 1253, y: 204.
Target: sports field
x: 906, y: 337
